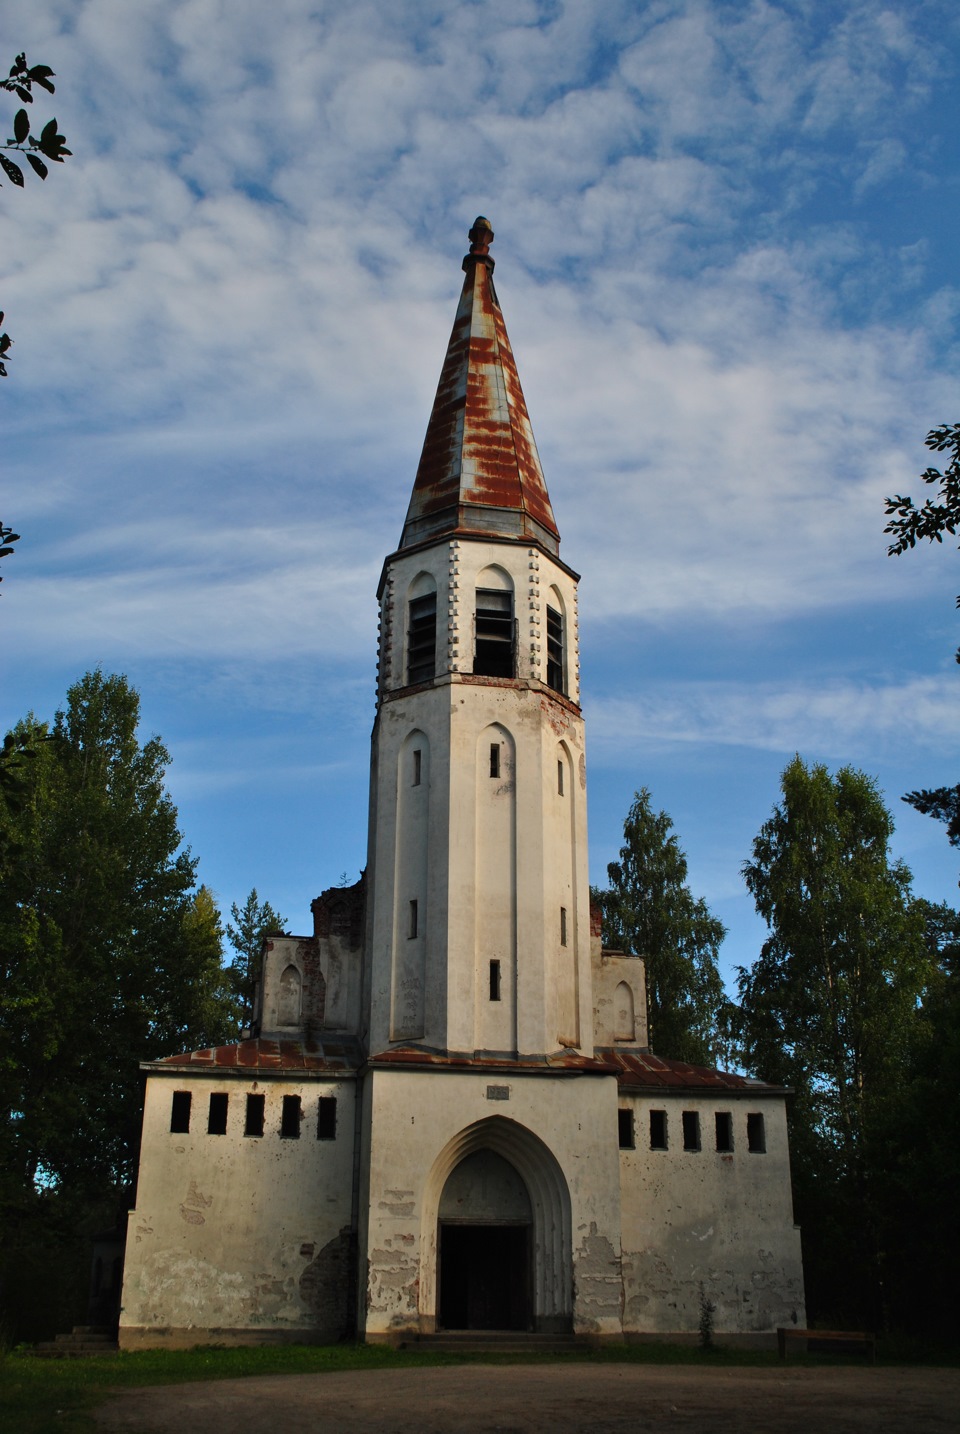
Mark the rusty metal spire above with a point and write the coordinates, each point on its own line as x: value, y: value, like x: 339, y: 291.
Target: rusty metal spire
x: 479, y: 471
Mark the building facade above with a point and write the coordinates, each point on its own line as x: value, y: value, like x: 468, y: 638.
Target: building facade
x: 447, y: 1115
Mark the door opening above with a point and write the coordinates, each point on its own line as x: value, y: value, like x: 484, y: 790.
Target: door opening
x: 484, y: 1276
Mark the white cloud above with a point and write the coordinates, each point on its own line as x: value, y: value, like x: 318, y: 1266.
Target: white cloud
x: 841, y: 720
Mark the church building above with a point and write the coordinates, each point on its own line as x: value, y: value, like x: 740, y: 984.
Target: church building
x: 446, y: 1115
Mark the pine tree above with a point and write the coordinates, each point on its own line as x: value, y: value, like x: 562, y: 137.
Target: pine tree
x: 253, y: 921
x: 830, y: 1009
x: 650, y: 911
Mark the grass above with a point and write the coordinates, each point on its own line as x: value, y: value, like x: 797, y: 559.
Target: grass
x: 42, y: 1396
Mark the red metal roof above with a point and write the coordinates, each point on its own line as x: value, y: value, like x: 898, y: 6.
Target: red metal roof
x: 334, y: 1054
x: 639, y: 1070
x: 418, y: 1056
x: 479, y: 471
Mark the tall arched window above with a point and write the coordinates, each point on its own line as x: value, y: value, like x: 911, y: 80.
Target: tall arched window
x: 422, y: 629
x: 556, y: 642
x: 495, y: 629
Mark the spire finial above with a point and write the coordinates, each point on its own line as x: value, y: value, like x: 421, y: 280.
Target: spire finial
x: 480, y: 236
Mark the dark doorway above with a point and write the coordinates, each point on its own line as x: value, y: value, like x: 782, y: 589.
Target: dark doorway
x: 484, y: 1276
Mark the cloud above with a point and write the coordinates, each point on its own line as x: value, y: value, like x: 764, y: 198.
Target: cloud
x: 832, y: 718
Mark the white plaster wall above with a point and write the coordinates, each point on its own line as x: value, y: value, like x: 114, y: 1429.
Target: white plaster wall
x: 701, y: 1219
x: 415, y: 1115
x: 226, y: 1227
x: 608, y: 973
x: 550, y: 870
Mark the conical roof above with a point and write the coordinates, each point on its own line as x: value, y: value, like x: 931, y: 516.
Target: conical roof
x: 479, y: 471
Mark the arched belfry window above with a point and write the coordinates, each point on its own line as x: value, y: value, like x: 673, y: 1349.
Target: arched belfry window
x: 556, y: 642
x: 422, y: 629
x: 495, y: 629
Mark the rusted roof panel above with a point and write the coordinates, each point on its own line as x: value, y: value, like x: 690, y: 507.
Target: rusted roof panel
x: 640, y: 1070
x: 423, y: 1058
x: 337, y: 1054
x: 480, y: 470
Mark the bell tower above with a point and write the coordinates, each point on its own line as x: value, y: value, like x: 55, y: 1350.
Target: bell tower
x: 478, y: 930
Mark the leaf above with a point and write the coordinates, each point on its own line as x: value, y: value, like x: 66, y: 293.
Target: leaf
x: 37, y: 165
x: 25, y: 95
x: 45, y: 83
x: 13, y: 171
x: 21, y: 126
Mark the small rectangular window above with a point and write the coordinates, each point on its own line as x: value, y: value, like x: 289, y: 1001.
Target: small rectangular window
x: 560, y: 778
x: 724, y: 1121
x: 180, y: 1112
x: 658, y: 1130
x: 756, y: 1135
x: 555, y: 650
x: 414, y: 919
x: 494, y: 759
x: 691, y: 1130
x: 217, y: 1116
x: 494, y: 980
x: 327, y: 1118
x: 290, y: 1118
x: 563, y: 926
x: 625, y: 1124
x: 417, y: 756
x: 254, y: 1121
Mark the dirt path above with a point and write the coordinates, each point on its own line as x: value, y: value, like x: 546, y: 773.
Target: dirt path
x: 564, y: 1399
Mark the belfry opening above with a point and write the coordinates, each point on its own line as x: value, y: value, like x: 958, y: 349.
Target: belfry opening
x: 484, y: 1244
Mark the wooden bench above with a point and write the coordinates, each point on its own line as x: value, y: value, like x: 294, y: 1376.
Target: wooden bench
x: 834, y: 1336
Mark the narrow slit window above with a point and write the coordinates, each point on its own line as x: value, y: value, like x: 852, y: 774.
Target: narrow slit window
x: 563, y: 926
x: 493, y: 656
x: 414, y: 920
x: 625, y: 1128
x: 254, y: 1121
x: 691, y: 1130
x: 417, y: 768
x: 290, y: 1118
x: 180, y: 1112
x: 724, y: 1122
x: 560, y: 777
x: 756, y: 1135
x: 494, y: 759
x: 327, y: 1118
x: 494, y: 980
x: 217, y: 1114
x: 555, y: 650
x: 658, y: 1130
x: 422, y: 639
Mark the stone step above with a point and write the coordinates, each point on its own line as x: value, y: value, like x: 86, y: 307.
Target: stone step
x: 50, y: 1349
x: 497, y: 1341
x: 83, y: 1339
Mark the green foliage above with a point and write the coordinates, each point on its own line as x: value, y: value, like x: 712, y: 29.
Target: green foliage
x: 253, y: 921
x: 650, y: 911
x: 107, y: 955
x: 830, y: 1009
x: 49, y: 143
x: 933, y: 518
x: 942, y: 803
x: 7, y: 536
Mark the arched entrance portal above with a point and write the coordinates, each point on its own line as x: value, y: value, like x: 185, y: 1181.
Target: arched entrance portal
x: 484, y: 1246
x: 529, y: 1194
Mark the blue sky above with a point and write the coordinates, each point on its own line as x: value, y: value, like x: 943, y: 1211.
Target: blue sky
x: 726, y: 243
